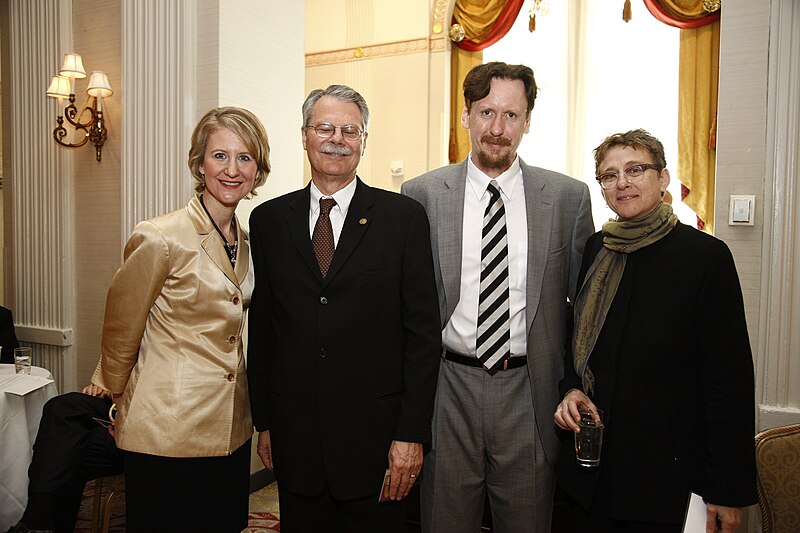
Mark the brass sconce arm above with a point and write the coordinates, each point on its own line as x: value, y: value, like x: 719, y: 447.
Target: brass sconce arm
x: 93, y: 126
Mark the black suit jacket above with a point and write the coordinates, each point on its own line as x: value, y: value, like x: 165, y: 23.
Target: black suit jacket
x: 674, y: 376
x: 8, y: 339
x: 339, y: 367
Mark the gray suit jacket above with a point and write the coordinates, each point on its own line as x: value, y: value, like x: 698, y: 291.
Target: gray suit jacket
x: 559, y: 223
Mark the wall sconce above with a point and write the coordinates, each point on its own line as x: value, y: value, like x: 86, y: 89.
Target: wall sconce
x: 62, y: 87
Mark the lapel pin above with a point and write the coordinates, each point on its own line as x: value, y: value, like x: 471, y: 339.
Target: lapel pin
x: 362, y: 221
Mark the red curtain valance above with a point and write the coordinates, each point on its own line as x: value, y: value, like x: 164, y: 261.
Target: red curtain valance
x: 505, y: 19
x: 670, y: 12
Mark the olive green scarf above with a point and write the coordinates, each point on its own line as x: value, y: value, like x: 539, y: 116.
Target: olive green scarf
x: 602, y: 279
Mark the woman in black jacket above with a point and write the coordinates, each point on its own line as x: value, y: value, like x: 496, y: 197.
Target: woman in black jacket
x: 660, y: 345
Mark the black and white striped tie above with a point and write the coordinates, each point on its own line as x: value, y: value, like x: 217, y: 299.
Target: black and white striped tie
x: 494, y: 331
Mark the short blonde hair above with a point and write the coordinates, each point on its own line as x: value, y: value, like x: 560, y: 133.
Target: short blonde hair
x: 241, y: 122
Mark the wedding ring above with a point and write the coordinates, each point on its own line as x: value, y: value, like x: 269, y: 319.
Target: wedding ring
x: 413, y: 475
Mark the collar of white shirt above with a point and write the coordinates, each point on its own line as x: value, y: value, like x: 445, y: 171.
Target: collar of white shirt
x: 343, y: 198
x: 507, y: 181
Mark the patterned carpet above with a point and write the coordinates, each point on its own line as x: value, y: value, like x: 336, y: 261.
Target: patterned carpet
x: 263, y: 523
x: 263, y: 517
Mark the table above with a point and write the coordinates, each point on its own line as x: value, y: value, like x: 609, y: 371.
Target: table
x: 19, y: 423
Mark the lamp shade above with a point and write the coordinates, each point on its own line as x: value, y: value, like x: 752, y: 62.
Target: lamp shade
x: 98, y: 85
x: 59, y: 87
x: 73, y: 66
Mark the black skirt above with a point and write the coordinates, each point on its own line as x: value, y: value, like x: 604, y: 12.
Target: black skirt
x: 177, y: 494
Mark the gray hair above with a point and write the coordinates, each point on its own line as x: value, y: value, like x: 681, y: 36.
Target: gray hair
x: 638, y: 139
x: 343, y: 93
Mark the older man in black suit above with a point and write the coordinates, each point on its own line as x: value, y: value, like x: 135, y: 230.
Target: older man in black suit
x: 344, y: 339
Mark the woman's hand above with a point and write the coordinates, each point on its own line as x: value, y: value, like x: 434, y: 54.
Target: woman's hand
x: 723, y: 519
x: 567, y: 415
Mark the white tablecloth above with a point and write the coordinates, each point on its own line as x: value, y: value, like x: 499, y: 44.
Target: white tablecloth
x: 19, y: 423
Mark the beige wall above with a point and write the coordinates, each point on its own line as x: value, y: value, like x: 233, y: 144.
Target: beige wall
x: 98, y: 246
x: 264, y: 73
x: 757, y: 147
x: 399, y: 61
x: 741, y: 138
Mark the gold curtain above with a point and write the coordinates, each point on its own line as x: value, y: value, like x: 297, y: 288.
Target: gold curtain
x: 477, y: 17
x: 461, y: 62
x: 683, y: 9
x: 697, y: 100
x: 697, y: 111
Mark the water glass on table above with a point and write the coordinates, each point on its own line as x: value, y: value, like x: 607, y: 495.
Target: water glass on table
x: 22, y: 360
x: 589, y: 440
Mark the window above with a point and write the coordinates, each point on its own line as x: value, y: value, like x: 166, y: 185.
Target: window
x: 597, y: 75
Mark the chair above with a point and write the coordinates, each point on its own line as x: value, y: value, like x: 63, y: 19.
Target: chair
x: 101, y: 508
x: 778, y: 464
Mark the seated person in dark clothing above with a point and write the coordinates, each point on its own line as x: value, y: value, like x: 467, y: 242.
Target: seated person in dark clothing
x: 70, y: 449
x: 8, y: 339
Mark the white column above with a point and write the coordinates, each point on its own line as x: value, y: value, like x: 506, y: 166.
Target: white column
x: 779, y: 341
x: 40, y: 272
x: 158, y: 78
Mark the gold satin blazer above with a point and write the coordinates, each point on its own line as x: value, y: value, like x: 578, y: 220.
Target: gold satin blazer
x: 172, y: 339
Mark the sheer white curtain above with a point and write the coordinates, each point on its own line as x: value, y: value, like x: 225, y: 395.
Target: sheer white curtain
x: 597, y: 75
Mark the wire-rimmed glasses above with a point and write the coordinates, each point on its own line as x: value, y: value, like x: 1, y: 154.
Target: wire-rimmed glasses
x: 325, y: 130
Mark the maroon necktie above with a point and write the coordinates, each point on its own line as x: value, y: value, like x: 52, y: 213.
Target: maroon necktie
x: 322, y: 240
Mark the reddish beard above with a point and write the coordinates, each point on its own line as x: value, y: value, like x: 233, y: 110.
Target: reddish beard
x: 488, y: 160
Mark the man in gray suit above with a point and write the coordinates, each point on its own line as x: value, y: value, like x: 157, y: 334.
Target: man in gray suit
x: 507, y: 241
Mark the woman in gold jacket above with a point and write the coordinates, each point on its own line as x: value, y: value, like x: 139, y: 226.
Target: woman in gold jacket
x: 171, y: 349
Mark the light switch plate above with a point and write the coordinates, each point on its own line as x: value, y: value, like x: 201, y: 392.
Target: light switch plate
x: 741, y: 211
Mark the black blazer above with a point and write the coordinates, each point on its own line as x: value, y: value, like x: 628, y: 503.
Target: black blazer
x: 340, y: 367
x: 674, y: 376
x: 8, y: 339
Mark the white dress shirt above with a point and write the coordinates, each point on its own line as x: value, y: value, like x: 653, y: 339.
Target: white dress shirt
x: 338, y: 213
x: 461, y: 331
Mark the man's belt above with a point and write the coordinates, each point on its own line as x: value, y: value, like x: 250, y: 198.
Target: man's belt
x: 512, y: 362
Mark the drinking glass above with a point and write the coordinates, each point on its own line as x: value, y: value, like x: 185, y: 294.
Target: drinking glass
x: 22, y: 360
x: 589, y: 440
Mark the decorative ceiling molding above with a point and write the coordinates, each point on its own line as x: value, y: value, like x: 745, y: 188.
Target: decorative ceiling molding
x: 360, y: 53
x: 437, y: 41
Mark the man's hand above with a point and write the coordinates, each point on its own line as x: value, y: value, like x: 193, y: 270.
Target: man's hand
x: 95, y: 390
x: 722, y: 519
x: 405, y: 464
x: 264, y: 449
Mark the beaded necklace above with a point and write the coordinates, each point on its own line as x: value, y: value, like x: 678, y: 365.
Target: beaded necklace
x: 230, y: 248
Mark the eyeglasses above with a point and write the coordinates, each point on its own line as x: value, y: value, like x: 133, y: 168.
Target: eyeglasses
x: 324, y: 130
x: 634, y: 174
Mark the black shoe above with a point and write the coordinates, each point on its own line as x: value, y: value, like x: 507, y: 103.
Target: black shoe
x: 22, y: 528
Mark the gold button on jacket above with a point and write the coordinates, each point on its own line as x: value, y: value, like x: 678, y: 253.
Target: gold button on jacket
x: 172, y: 339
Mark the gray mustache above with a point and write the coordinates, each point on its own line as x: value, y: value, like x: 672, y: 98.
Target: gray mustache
x: 330, y: 148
